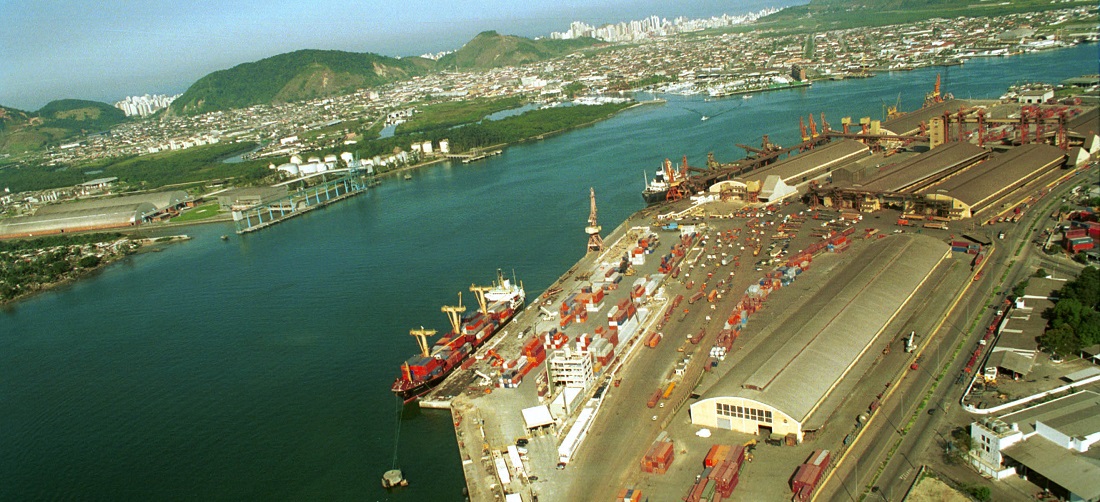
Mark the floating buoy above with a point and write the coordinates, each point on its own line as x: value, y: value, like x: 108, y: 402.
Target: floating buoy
x: 393, y: 478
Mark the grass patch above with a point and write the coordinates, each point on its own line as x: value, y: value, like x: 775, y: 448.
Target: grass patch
x: 208, y: 210
x: 453, y: 113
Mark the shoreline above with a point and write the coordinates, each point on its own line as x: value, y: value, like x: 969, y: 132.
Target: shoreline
x: 145, y: 245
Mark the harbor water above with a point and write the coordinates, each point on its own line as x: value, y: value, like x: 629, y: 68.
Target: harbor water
x: 260, y: 367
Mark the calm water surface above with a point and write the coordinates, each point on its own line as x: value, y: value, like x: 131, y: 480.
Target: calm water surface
x: 260, y: 367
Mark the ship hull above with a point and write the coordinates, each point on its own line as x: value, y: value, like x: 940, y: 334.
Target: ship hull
x: 410, y: 388
x: 654, y: 197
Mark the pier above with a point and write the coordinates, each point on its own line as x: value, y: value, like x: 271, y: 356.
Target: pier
x: 474, y: 155
x: 300, y: 202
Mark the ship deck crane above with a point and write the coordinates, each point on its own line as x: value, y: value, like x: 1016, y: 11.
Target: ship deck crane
x: 422, y: 339
x: 454, y: 314
x: 595, y: 242
x: 479, y: 292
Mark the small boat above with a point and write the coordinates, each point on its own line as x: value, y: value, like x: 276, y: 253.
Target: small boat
x: 225, y: 237
x: 408, y: 176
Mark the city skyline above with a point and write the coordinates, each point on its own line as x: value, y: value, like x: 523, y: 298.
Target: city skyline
x: 149, y: 48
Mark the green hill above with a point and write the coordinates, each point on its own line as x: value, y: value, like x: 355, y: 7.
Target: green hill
x: 59, y: 120
x: 490, y: 49
x: 293, y: 76
x: 79, y: 114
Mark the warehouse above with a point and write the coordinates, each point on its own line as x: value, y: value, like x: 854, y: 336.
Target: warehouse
x: 239, y: 199
x: 982, y: 187
x: 789, y: 382
x: 89, y: 218
x: 1049, y: 444
x: 932, y: 166
x: 95, y: 214
x: 778, y: 181
x: 910, y: 123
x: 161, y: 201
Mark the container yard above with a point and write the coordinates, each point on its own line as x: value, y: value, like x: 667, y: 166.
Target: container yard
x: 701, y: 349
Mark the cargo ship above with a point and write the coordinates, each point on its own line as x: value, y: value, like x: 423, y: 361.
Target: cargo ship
x: 426, y: 369
x: 656, y: 190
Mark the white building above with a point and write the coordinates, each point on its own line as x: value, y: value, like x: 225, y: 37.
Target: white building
x: 1048, y: 443
x: 571, y: 368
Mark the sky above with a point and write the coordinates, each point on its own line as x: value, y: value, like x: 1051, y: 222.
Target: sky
x: 105, y: 51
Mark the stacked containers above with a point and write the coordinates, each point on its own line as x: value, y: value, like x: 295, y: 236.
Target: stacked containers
x: 658, y: 458
x: 808, y: 474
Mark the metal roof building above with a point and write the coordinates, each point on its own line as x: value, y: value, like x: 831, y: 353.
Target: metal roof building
x: 793, y: 378
x: 1050, y: 443
x: 909, y: 123
x: 89, y: 218
x: 779, y: 180
x: 979, y: 188
x: 927, y: 168
x: 93, y: 214
x: 159, y: 200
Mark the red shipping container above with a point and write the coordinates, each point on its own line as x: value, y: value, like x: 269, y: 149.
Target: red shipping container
x: 806, y: 476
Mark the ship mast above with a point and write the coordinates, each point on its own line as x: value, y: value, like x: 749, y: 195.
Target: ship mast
x: 454, y: 313
x: 422, y: 339
x: 595, y: 242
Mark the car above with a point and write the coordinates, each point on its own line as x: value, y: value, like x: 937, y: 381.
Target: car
x: 532, y: 478
x: 931, y: 411
x: 521, y: 442
x: 561, y: 466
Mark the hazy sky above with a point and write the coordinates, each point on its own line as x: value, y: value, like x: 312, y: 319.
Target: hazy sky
x: 106, y: 50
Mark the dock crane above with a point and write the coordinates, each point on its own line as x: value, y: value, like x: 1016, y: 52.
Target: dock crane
x: 422, y: 339
x: 595, y: 242
x: 454, y: 314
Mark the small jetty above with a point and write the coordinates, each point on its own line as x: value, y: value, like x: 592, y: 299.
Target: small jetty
x: 474, y: 156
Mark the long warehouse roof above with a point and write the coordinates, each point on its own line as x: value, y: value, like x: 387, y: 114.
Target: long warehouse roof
x: 909, y: 123
x: 831, y: 335
x: 931, y: 163
x: 980, y: 183
x: 809, y: 165
x: 159, y: 200
x: 96, y: 217
x: 1086, y: 122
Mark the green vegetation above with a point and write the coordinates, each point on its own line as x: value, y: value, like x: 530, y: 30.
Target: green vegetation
x: 78, y: 114
x: 532, y: 124
x: 981, y: 493
x: 1074, y: 319
x: 297, y: 75
x: 147, y: 171
x: 490, y: 49
x: 453, y: 113
x: 824, y: 15
x: 202, y: 212
x: 22, y: 131
x: 27, y: 266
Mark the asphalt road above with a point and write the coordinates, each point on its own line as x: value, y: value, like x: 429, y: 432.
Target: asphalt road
x: 931, y: 431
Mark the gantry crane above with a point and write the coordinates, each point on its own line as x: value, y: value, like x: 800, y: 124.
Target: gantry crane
x: 422, y: 339
x: 595, y: 242
x: 454, y: 314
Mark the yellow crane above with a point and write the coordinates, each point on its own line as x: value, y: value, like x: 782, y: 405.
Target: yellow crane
x: 454, y: 313
x: 422, y: 339
x: 479, y: 292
